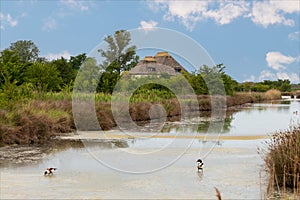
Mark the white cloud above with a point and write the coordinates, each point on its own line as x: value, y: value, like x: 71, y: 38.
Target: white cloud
x: 7, y: 20
x: 294, y: 36
x: 293, y: 77
x: 76, y: 4
x: 148, y: 26
x: 49, y: 24
x: 266, y: 75
x: 12, y: 22
x: 278, y: 61
x: 64, y: 54
x: 188, y: 12
x: 282, y: 75
x: 264, y: 13
x: 267, y: 13
x: 227, y: 12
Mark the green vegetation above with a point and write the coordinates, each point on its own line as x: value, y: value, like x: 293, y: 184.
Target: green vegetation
x: 36, y: 94
x: 212, y: 80
x: 118, y: 58
x: 23, y: 74
x: 281, y: 85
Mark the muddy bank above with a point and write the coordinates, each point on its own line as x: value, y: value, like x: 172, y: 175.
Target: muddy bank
x: 22, y: 154
x: 17, y: 154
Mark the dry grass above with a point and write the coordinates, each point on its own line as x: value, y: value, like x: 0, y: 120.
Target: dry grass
x: 39, y: 120
x: 272, y: 94
x: 282, y: 162
x: 35, y: 123
x: 105, y: 116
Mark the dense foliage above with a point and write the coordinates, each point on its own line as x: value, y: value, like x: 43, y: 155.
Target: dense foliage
x: 24, y: 73
x: 281, y: 85
x: 36, y: 93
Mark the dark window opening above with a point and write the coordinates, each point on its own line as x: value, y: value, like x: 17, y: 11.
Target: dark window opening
x: 151, y: 69
x: 177, y: 70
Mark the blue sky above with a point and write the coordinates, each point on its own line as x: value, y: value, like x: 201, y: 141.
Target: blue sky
x: 255, y: 40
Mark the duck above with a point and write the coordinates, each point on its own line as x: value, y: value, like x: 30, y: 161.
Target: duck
x: 49, y: 171
x: 200, y: 165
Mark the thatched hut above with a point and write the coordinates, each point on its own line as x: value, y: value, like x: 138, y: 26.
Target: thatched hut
x: 161, y: 63
x: 166, y: 59
x: 149, y: 66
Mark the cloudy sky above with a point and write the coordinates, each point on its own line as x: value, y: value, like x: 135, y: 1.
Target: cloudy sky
x: 255, y: 40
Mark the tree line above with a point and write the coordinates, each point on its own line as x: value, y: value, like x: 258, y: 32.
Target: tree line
x: 23, y: 71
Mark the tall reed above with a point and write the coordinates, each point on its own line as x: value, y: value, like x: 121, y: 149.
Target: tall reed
x: 282, y: 161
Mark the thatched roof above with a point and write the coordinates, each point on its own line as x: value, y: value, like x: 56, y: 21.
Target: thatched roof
x: 151, y: 68
x: 161, y: 63
x: 162, y: 54
x: 166, y: 59
x: 148, y: 59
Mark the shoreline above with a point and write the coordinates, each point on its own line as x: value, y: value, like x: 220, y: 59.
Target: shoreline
x: 40, y: 120
x: 117, y: 135
x: 26, y: 154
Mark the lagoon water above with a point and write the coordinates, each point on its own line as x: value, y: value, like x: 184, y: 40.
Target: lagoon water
x: 163, y: 166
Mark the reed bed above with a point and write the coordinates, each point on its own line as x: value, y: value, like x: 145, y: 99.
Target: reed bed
x: 283, y: 163
x: 36, y: 122
x: 50, y: 114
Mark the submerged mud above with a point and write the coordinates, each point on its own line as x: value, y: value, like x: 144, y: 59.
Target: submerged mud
x: 21, y: 154
x: 95, y: 169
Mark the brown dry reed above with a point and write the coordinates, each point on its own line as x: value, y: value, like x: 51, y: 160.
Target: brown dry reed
x: 282, y: 161
x: 40, y: 120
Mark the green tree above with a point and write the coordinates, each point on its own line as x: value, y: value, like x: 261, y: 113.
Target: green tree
x: 11, y: 67
x: 246, y: 86
x: 12, y: 86
x: 107, y: 82
x: 197, y: 82
x: 43, y: 77
x: 213, y: 78
x: 65, y: 69
x: 230, y: 85
x: 260, y: 87
x: 27, y: 50
x: 77, y: 61
x: 284, y: 85
x: 88, y: 76
x: 119, y: 57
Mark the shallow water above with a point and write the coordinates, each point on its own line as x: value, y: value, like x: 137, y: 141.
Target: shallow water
x: 157, y: 167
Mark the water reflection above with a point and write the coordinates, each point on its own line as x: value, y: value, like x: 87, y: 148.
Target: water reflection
x: 61, y: 145
x: 79, y: 176
x: 253, y: 119
x: 200, y: 125
x: 212, y: 142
